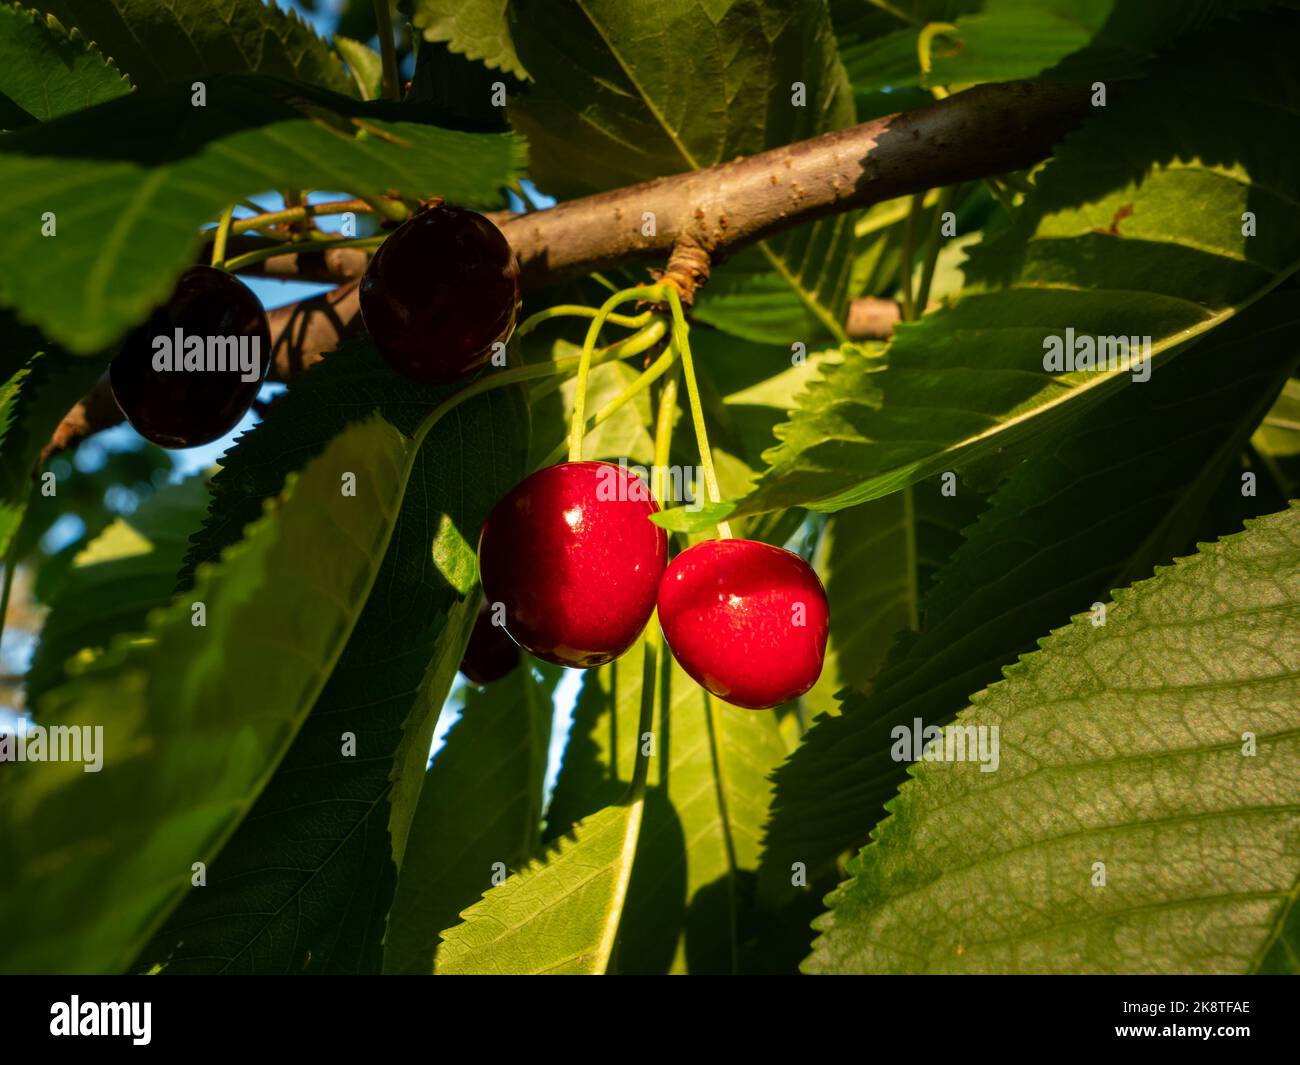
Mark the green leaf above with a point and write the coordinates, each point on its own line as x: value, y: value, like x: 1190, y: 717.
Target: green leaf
x: 705, y: 807
x: 128, y: 203
x: 114, y: 582
x: 1277, y: 440
x: 660, y: 90
x: 156, y: 41
x: 1094, y: 508
x: 365, y: 65
x: 449, y: 90
x: 748, y: 388
x: 476, y: 29
x: 1161, y: 750
x: 193, y: 720
x: 562, y: 914
x: 997, y: 40
x: 481, y: 805
x: 45, y: 71
x: 876, y: 559
x: 558, y: 916
x: 39, y: 388
x: 877, y: 44
x: 307, y: 881
x: 1011, y: 39
x: 867, y: 560
x: 1135, y: 228
x: 684, y: 84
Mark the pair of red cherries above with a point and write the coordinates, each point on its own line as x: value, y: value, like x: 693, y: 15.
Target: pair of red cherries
x: 572, y: 555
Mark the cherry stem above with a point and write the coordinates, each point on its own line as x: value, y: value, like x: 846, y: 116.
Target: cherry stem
x: 652, y: 640
x: 634, y: 345
x: 387, y: 52
x: 222, y: 238
x: 574, y: 310
x: 531, y: 372
x: 299, y: 213
x: 620, y: 349
x: 664, y: 428
x: 578, y: 423
x: 681, y: 341
x: 249, y: 258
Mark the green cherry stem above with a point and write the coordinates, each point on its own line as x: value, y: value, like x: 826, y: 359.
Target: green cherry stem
x: 387, y: 53
x: 681, y: 341
x: 299, y: 213
x: 578, y: 424
x: 664, y: 429
x: 247, y: 259
x: 222, y: 238
x: 653, y: 637
x: 634, y: 345
x: 574, y: 310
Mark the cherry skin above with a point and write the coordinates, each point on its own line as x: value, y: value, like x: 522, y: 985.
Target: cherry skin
x: 746, y: 620
x: 491, y: 653
x: 439, y: 293
x: 573, y: 555
x: 184, y: 408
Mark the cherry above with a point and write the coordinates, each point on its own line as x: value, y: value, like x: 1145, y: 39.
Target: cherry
x: 491, y: 653
x: 573, y: 555
x: 439, y: 293
x: 746, y: 620
x: 178, y: 407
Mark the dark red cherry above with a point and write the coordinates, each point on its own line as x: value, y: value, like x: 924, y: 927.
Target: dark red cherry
x: 192, y: 370
x: 439, y: 293
x: 746, y: 620
x: 491, y: 653
x: 573, y: 555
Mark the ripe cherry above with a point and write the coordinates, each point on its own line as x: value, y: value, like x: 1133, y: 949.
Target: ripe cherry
x: 178, y: 407
x: 573, y: 555
x: 746, y: 620
x: 439, y: 293
x: 491, y: 653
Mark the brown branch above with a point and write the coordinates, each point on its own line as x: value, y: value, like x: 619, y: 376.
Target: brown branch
x: 986, y: 130
x: 708, y: 213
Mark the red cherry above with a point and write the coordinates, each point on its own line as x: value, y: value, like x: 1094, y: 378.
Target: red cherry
x: 573, y: 555
x: 439, y: 293
x: 746, y: 620
x: 491, y: 653
x: 175, y: 407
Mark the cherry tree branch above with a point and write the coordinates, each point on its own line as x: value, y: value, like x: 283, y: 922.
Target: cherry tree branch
x: 974, y: 134
x: 713, y: 212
